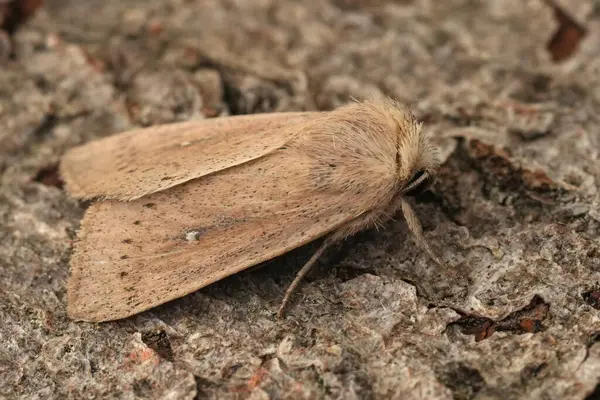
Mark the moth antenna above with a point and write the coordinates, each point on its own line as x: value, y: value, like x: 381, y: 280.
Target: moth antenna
x: 302, y: 273
x: 414, y: 225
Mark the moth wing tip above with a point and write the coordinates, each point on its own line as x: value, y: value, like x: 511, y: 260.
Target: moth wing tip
x: 78, y: 312
x: 75, y: 313
x: 72, y: 185
x: 76, y: 301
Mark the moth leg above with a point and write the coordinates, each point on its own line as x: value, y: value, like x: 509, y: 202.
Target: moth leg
x: 414, y: 225
x: 302, y: 273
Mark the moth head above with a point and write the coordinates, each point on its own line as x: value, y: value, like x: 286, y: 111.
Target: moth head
x: 422, y: 166
x: 386, y: 139
x: 416, y: 157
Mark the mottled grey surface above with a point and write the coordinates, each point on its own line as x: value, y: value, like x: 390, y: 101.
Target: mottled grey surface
x: 515, y: 212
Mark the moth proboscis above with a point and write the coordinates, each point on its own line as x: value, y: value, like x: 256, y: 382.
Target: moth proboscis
x: 180, y: 206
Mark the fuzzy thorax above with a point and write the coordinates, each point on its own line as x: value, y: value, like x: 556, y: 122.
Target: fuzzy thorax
x: 374, y: 148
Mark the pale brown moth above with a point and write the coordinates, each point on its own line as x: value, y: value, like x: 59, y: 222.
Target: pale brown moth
x: 182, y: 205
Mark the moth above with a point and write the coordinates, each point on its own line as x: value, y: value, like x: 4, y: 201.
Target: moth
x: 182, y: 205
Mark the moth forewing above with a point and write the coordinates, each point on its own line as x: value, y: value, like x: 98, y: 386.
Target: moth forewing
x: 330, y: 173
x: 133, y: 164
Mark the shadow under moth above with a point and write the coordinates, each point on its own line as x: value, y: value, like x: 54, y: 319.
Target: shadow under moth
x: 180, y: 206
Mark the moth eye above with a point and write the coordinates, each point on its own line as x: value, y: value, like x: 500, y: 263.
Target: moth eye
x: 416, y: 176
x: 420, y: 187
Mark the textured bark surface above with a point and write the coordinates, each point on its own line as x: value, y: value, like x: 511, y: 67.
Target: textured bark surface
x: 515, y: 212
